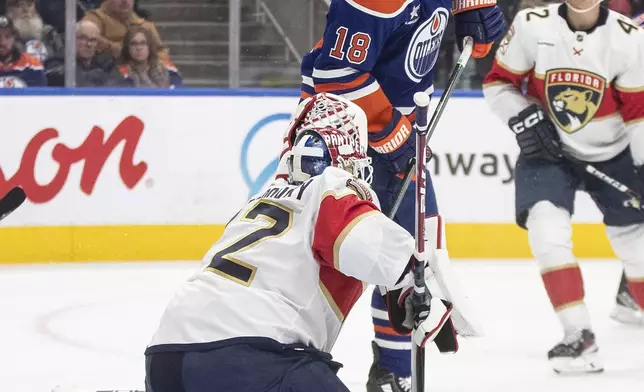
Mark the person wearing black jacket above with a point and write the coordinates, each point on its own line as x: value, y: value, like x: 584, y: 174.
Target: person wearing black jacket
x: 92, y: 70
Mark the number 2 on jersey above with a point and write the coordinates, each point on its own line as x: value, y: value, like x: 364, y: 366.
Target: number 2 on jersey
x: 545, y: 14
x: 358, y: 49
x: 225, y: 262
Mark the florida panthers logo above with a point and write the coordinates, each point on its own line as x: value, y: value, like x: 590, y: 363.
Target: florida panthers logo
x: 573, y: 97
x: 423, y: 48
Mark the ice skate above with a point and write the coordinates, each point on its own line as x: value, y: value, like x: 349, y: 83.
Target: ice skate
x: 382, y: 380
x: 626, y: 310
x: 576, y: 354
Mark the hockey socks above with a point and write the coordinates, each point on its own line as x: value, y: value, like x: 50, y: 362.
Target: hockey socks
x: 565, y: 289
x: 395, y: 349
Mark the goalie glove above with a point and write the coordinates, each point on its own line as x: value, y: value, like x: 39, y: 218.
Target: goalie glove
x: 431, y: 323
x: 426, y: 322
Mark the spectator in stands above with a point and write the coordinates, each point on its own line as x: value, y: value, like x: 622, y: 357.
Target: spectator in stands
x: 115, y: 18
x: 39, y: 40
x: 17, y: 69
x: 25, y: 18
x: 53, y: 11
x: 94, y: 70
x: 141, y: 65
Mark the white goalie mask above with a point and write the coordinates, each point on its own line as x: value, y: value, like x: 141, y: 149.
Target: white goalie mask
x: 316, y: 149
x: 326, y: 110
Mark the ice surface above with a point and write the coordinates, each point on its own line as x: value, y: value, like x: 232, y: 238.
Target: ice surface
x: 88, y: 324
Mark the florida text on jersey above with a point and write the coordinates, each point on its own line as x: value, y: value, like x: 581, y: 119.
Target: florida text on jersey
x: 377, y: 54
x: 590, y: 82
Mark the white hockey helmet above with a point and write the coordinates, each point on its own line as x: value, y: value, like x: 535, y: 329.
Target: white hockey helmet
x: 326, y: 110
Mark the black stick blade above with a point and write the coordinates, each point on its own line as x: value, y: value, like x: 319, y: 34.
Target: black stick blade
x: 12, y: 200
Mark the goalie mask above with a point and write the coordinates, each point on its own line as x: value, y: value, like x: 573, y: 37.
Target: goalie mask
x: 326, y: 110
x: 316, y: 149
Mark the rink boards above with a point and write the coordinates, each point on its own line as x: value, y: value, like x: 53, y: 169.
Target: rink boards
x: 155, y: 177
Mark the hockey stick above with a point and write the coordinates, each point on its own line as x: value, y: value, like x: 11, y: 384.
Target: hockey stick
x: 634, y: 199
x: 468, y: 44
x: 12, y: 200
x: 420, y: 295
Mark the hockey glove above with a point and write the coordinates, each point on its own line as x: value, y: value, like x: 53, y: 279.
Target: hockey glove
x: 396, y: 143
x: 483, y: 22
x: 536, y: 134
x: 429, y: 323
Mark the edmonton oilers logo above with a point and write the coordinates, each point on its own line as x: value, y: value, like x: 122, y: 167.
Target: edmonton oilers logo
x: 423, y: 48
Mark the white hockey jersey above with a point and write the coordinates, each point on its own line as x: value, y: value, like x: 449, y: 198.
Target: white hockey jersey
x: 289, y: 266
x: 590, y: 82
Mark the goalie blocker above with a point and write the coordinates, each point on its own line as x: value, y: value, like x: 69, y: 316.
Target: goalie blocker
x: 443, y: 284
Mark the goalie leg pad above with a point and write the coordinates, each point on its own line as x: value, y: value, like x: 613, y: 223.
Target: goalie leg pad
x: 443, y: 282
x: 435, y: 233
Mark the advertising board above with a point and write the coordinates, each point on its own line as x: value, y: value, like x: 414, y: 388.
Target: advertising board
x: 157, y: 177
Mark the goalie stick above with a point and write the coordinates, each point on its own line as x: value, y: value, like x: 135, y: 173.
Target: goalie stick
x: 420, y: 296
x: 424, y: 131
x: 12, y: 200
x: 468, y: 44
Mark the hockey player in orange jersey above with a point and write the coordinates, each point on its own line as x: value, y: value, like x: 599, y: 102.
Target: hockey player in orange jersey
x: 378, y: 53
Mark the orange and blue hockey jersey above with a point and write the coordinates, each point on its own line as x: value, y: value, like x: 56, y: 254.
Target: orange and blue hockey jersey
x: 377, y: 53
x: 24, y: 71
